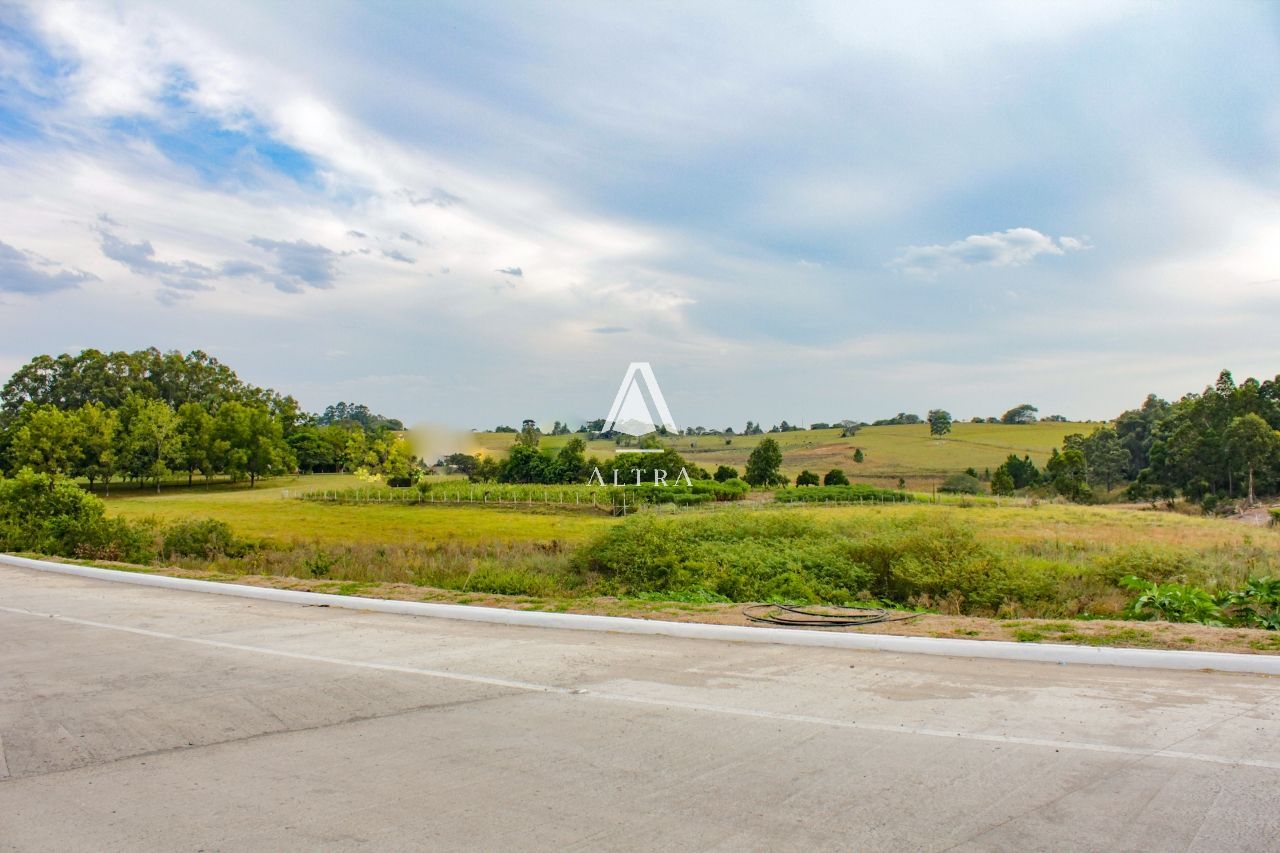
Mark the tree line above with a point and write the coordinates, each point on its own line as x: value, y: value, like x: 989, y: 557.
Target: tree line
x: 147, y: 415
x: 1216, y: 445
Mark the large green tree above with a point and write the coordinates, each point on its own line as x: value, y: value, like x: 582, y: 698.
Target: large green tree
x: 150, y: 439
x: 98, y: 457
x: 1024, y: 413
x: 194, y: 450
x: 764, y: 464
x: 250, y: 442
x: 939, y: 422
x: 49, y: 441
x: 1251, y: 443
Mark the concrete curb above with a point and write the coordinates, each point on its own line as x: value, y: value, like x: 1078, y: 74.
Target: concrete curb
x: 996, y: 650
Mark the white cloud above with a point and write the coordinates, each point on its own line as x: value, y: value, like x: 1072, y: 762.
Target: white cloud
x: 1011, y: 248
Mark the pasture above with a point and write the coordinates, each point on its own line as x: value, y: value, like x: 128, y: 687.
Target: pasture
x: 267, y: 512
x: 889, y: 452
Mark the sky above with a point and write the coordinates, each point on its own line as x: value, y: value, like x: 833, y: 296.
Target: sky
x: 474, y: 213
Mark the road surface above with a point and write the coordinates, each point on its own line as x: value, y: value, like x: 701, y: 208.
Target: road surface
x: 146, y: 719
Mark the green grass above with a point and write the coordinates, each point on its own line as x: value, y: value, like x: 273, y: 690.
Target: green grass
x: 267, y: 512
x: 1050, y: 561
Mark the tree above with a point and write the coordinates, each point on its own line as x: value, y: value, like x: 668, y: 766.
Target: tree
x: 1022, y: 472
x: 524, y: 464
x: 150, y: 440
x: 1001, y: 482
x: 529, y: 436
x: 312, y: 449
x: 1068, y: 472
x: 1251, y: 443
x: 724, y: 472
x: 1108, y: 459
x: 939, y: 422
x: 461, y: 463
x: 356, y: 452
x: 858, y: 455
x: 571, y: 462
x: 806, y: 478
x: 400, y: 468
x: 835, y: 477
x: 195, y: 440
x: 764, y: 464
x: 48, y: 442
x: 98, y: 444
x: 900, y: 419
x: 249, y: 442
x: 1024, y: 413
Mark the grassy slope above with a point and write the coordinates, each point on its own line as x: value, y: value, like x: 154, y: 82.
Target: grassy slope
x: 891, y: 452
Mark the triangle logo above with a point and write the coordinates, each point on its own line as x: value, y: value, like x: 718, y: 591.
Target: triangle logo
x: 630, y: 413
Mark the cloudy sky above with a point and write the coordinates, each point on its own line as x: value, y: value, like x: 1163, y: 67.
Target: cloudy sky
x: 472, y: 213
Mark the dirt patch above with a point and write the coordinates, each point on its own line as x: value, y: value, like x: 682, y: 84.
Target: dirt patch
x: 1088, y: 632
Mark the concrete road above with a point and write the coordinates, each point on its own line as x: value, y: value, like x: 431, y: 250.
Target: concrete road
x: 145, y: 719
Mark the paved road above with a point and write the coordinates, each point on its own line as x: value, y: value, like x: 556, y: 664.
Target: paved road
x: 147, y: 719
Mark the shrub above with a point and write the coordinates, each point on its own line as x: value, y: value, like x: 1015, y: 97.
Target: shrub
x: 835, y: 477
x: 112, y: 539
x: 741, y: 556
x: 1257, y: 605
x: 1275, y: 516
x: 1172, y: 602
x: 724, y: 472
x: 51, y: 515
x: 964, y: 484
x: 847, y: 494
x: 806, y: 478
x: 207, y: 538
x: 783, y: 556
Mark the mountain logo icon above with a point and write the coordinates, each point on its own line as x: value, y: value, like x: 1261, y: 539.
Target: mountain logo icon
x: 630, y: 413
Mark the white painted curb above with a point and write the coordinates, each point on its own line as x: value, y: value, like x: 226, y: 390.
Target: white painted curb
x: 1042, y: 652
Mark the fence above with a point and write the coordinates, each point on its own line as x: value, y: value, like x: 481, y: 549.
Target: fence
x: 613, y: 500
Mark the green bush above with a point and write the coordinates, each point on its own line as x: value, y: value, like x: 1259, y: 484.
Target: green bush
x: 206, y: 538
x: 963, y: 484
x: 50, y: 515
x: 782, y: 556
x: 1172, y: 602
x: 835, y: 477
x: 724, y: 472
x: 1275, y: 516
x: 740, y: 556
x: 112, y: 539
x: 840, y: 494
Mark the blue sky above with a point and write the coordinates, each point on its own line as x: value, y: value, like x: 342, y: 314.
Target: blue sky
x: 474, y: 213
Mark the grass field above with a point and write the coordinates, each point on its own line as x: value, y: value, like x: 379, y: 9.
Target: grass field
x: 890, y: 451
x: 980, y: 561
x: 266, y: 512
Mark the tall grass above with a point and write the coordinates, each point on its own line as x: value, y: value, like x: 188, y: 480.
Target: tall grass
x: 920, y: 559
